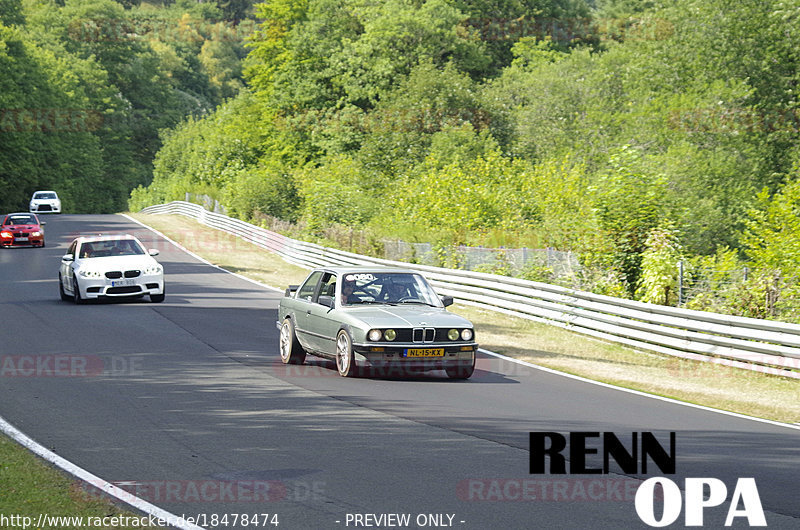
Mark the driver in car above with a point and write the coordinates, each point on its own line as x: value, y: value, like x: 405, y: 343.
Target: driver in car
x: 397, y: 292
x: 347, y: 293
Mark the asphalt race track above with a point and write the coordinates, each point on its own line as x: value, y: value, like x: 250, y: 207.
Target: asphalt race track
x: 187, y: 403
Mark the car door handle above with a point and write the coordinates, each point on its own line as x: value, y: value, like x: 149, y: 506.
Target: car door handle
x: 308, y: 312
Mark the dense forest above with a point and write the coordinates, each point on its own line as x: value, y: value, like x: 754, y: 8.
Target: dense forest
x: 636, y: 133
x: 86, y: 86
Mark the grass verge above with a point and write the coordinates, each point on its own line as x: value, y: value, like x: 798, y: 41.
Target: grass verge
x: 30, y: 488
x: 711, y: 385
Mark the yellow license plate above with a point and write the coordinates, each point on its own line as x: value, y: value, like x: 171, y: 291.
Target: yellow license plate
x: 425, y: 352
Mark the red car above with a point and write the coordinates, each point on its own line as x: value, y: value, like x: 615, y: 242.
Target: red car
x: 20, y: 229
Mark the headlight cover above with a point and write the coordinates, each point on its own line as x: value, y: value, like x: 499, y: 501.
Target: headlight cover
x: 453, y: 334
x: 153, y: 269
x: 375, y: 335
x: 466, y: 334
x: 390, y: 334
x: 89, y: 273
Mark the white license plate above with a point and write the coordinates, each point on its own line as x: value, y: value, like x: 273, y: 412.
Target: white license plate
x: 122, y: 283
x: 20, y: 239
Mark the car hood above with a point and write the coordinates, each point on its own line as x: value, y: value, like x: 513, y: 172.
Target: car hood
x: 113, y: 263
x: 387, y: 316
x: 24, y: 228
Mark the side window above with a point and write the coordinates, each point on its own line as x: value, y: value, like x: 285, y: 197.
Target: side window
x: 328, y: 285
x: 306, y: 291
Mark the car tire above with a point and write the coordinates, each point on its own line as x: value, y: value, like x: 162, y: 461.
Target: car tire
x: 461, y: 372
x: 64, y: 296
x: 158, y: 298
x: 345, y: 359
x: 76, y: 291
x: 290, y: 349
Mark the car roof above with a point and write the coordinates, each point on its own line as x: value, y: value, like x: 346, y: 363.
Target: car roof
x: 101, y: 237
x: 29, y: 214
x: 44, y: 191
x: 362, y: 269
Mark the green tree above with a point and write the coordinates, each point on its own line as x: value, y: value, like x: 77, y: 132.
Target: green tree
x: 658, y: 282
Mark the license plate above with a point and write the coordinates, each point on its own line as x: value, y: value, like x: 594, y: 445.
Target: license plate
x: 122, y: 283
x: 20, y: 239
x: 424, y: 352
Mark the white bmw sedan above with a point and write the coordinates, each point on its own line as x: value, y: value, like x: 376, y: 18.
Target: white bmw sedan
x: 110, y: 266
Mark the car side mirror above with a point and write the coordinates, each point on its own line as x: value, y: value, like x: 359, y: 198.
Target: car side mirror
x: 289, y: 290
x: 67, y: 257
x: 42, y: 223
x: 326, y: 300
x: 447, y: 300
x: 153, y: 252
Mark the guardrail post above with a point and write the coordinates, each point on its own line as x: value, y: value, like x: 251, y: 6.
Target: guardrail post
x: 680, y: 283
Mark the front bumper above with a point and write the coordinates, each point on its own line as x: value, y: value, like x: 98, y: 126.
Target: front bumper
x: 397, y: 356
x: 45, y: 207
x: 32, y: 241
x: 145, y: 284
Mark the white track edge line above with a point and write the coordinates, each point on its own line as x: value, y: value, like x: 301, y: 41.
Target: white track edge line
x: 128, y: 498
x: 518, y: 361
x: 639, y: 392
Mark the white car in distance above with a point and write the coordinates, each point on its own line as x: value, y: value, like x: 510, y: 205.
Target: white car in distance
x: 45, y: 201
x: 109, y: 267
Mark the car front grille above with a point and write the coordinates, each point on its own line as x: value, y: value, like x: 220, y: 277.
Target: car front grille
x: 44, y: 208
x: 132, y: 274
x: 424, y: 335
x: 112, y: 275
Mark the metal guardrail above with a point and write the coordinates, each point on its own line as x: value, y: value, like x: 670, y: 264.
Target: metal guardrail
x: 749, y: 343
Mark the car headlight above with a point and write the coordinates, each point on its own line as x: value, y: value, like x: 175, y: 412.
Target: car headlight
x: 36, y: 234
x: 453, y: 334
x: 374, y: 335
x: 89, y: 273
x: 7, y: 235
x: 466, y: 334
x: 153, y: 269
x: 390, y: 334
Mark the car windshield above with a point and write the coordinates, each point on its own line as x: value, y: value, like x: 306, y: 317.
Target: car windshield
x: 20, y: 220
x: 114, y: 247
x: 45, y: 196
x: 392, y: 288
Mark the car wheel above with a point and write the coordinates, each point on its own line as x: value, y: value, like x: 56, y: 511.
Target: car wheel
x: 345, y: 360
x: 64, y: 296
x: 158, y: 298
x: 291, y: 351
x: 461, y: 372
x: 76, y: 291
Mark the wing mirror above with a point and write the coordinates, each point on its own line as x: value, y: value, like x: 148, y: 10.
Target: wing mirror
x: 447, y: 300
x: 326, y: 300
x: 153, y: 252
x: 67, y: 257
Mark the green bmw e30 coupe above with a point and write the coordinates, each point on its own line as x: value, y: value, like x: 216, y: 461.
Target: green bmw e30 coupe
x: 384, y: 319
